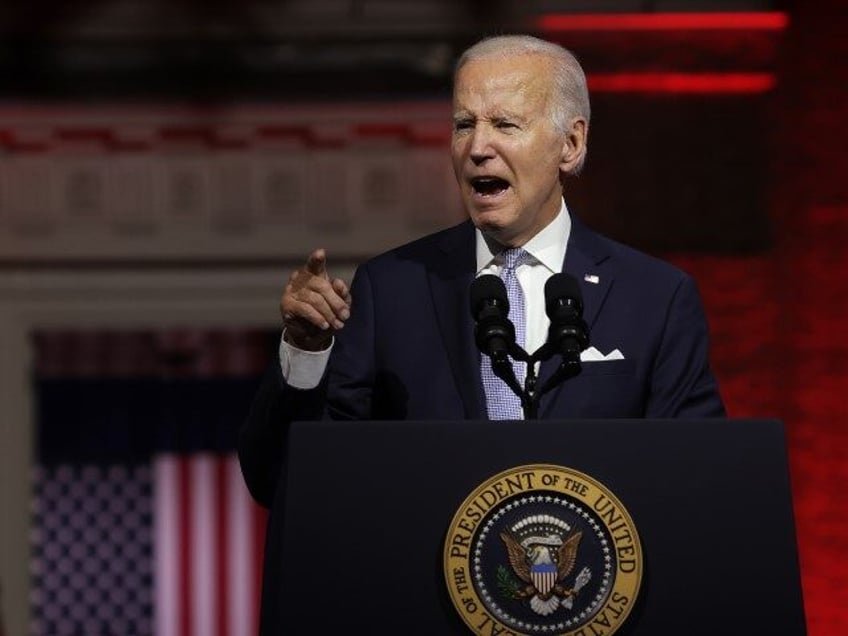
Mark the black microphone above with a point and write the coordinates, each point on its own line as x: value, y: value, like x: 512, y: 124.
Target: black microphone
x: 568, y: 332
x: 494, y: 333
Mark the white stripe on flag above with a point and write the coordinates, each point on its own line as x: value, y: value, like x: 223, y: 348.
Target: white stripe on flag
x: 166, y: 545
x: 241, y: 592
x: 204, y: 557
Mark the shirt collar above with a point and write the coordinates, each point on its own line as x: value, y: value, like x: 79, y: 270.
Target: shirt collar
x: 547, y: 247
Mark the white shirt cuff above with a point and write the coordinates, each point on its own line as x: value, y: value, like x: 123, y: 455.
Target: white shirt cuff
x: 303, y: 369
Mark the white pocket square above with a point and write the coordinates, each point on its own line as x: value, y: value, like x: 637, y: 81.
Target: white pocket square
x: 593, y: 355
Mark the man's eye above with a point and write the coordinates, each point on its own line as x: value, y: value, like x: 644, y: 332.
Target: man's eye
x: 506, y: 125
x: 462, y: 125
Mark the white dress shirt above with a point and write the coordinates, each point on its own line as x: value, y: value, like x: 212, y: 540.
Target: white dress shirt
x: 547, y: 251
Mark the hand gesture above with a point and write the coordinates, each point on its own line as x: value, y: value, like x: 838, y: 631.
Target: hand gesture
x: 313, y: 306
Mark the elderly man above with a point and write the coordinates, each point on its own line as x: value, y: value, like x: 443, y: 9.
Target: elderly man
x: 399, y: 344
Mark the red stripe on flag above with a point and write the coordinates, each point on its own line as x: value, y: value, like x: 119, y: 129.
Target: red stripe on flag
x: 184, y: 529
x: 223, y: 544
x: 260, y: 521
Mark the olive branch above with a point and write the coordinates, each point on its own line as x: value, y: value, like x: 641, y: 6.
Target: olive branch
x: 507, y: 584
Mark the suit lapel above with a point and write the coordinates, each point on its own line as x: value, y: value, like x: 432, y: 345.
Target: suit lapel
x: 450, y: 278
x: 584, y: 257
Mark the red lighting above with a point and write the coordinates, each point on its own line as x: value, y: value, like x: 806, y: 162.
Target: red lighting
x: 691, y: 83
x: 761, y: 21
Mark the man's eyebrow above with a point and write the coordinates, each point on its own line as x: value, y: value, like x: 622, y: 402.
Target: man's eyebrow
x: 494, y: 116
x: 507, y: 116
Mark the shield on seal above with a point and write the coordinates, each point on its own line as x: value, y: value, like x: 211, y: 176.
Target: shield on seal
x: 544, y: 577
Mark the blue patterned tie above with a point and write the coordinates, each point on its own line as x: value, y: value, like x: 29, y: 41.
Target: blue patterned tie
x: 501, y: 402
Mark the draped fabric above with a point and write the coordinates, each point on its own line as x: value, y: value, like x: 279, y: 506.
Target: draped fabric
x: 141, y: 520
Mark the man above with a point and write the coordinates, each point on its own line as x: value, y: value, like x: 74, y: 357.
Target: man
x: 399, y: 344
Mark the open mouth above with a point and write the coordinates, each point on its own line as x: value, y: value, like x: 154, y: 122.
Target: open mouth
x: 489, y: 186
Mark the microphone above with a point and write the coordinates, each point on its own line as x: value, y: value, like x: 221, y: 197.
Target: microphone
x: 568, y: 332
x: 494, y: 333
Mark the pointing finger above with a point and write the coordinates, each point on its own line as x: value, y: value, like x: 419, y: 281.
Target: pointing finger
x: 316, y: 264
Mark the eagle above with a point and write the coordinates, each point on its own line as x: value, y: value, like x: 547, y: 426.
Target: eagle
x: 543, y: 563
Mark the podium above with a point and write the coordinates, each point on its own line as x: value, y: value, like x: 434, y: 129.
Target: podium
x: 356, y: 539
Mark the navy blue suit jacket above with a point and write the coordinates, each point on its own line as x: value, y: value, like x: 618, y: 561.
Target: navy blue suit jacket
x: 407, y: 352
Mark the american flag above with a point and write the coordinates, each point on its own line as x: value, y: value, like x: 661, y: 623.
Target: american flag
x: 208, y: 538
x: 141, y: 522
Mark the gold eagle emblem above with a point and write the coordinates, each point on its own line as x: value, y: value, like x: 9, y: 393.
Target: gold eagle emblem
x: 543, y: 561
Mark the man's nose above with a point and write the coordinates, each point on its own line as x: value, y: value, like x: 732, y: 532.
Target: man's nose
x: 481, y: 144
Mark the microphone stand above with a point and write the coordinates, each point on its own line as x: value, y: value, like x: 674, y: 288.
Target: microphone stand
x: 568, y: 368
x: 494, y: 334
x: 502, y: 367
x: 530, y: 395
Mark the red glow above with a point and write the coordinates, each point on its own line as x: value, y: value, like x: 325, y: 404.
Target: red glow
x: 692, y: 83
x: 562, y: 22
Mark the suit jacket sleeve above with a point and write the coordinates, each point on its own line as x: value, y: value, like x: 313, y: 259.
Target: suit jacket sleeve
x: 682, y: 383
x: 348, y: 381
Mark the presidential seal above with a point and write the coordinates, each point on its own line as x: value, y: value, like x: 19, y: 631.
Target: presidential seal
x: 542, y: 549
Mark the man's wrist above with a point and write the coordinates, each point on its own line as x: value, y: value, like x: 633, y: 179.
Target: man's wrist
x: 302, y: 369
x: 318, y: 342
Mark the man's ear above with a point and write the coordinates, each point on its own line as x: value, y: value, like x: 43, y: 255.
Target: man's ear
x: 574, y: 146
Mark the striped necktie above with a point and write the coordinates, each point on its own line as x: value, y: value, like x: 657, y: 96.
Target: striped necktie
x: 501, y: 402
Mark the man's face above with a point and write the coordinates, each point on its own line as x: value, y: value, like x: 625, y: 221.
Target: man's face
x: 507, y: 154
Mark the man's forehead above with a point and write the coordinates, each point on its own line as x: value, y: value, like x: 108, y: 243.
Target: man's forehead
x: 509, y: 94
x: 500, y: 66
x: 528, y: 75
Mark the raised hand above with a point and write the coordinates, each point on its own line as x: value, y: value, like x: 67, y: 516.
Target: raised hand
x: 313, y: 305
